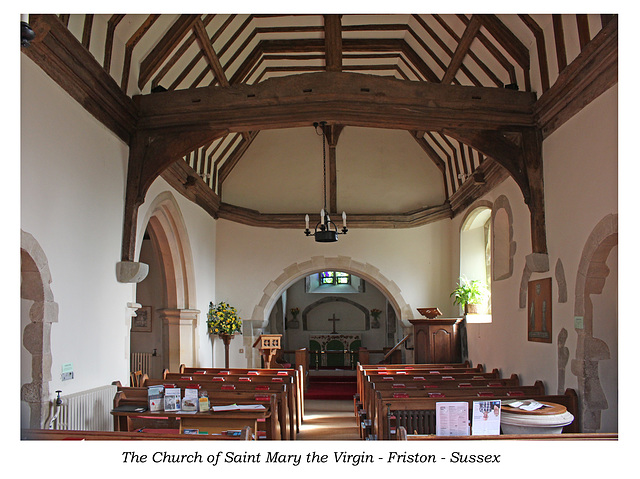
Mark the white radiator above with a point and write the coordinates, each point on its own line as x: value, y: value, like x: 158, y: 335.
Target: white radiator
x: 86, y: 410
x: 141, y: 362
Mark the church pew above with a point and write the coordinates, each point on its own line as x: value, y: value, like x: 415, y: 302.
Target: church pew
x: 402, y: 435
x: 297, y: 373
x: 287, y: 407
x: 269, y: 377
x: 364, y: 396
x: 478, y: 393
x: 169, y: 420
x: 363, y: 373
x: 61, y: 435
x: 424, y: 408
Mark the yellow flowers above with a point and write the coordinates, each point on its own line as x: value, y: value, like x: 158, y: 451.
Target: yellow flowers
x: 223, y: 319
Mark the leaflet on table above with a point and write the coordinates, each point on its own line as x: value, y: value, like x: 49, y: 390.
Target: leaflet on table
x: 156, y: 400
x: 452, y: 419
x: 525, y: 405
x: 172, y: 399
x: 238, y: 407
x: 486, y: 418
x: 190, y: 400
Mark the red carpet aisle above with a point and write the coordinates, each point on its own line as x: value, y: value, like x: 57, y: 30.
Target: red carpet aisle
x: 331, y: 387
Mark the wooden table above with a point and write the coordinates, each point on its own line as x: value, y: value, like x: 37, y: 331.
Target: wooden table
x: 210, y: 422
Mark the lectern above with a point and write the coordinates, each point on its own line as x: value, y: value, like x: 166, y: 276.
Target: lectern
x: 268, y: 344
x: 436, y: 340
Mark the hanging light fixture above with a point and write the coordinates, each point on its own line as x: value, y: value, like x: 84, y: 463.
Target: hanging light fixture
x: 326, y: 230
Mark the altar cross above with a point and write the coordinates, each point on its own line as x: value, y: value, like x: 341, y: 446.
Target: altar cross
x: 334, y: 319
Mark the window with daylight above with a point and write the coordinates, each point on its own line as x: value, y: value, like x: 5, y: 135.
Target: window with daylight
x: 334, y: 277
x: 475, y: 255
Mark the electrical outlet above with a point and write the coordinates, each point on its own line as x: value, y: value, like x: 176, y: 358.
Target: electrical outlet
x: 241, y: 350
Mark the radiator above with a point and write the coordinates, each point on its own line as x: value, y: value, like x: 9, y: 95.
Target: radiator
x: 416, y: 421
x: 141, y: 362
x: 86, y: 410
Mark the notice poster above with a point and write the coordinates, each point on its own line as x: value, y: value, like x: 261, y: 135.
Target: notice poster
x: 452, y: 419
x: 486, y: 418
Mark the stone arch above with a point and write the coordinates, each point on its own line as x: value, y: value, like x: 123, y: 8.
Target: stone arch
x: 317, y: 264
x: 590, y: 279
x: 40, y: 311
x: 168, y: 232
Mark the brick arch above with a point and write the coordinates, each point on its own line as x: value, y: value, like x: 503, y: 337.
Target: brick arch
x: 295, y: 271
x: 590, y: 279
x: 37, y: 301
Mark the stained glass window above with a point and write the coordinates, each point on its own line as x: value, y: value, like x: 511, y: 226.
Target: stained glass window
x: 335, y: 277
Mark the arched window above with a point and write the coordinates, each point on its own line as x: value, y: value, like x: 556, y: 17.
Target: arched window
x: 475, y: 254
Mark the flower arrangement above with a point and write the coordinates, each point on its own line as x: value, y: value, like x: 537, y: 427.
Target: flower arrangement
x: 375, y: 312
x: 223, y: 319
x: 294, y: 312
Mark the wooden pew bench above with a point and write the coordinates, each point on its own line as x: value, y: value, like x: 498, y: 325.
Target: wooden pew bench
x: 293, y: 396
x: 246, y: 434
x: 364, y: 399
x: 421, y: 411
x: 297, y: 375
x: 211, y: 421
x: 259, y: 387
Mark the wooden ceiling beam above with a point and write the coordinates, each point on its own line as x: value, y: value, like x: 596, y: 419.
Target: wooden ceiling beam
x: 348, y: 98
x: 61, y: 56
x: 208, y: 52
x: 462, y: 49
x: 333, y: 42
x: 169, y: 42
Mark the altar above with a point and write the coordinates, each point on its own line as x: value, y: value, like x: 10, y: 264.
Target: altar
x: 334, y: 350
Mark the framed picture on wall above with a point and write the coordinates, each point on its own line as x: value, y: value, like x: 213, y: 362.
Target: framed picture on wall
x: 539, y: 311
x: 141, y: 322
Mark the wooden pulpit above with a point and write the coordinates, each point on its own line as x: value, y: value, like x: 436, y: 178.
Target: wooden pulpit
x: 436, y: 340
x: 268, y: 344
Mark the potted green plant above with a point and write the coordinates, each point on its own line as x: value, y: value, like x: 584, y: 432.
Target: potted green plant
x: 470, y: 294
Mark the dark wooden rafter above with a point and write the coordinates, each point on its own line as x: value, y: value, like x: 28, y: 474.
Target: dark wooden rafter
x: 558, y: 36
x: 169, y: 42
x: 69, y: 64
x: 333, y: 42
x: 584, y: 37
x: 462, y: 49
x: 131, y: 44
x: 207, y: 49
x: 443, y: 45
x: 591, y: 73
x: 178, y: 54
x: 86, y: 30
x: 233, y: 159
x: 491, y: 48
x: 112, y: 24
x: 540, y: 48
x: 433, y: 156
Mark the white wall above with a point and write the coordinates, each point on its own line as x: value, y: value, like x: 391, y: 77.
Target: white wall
x: 580, y: 176
x: 72, y: 198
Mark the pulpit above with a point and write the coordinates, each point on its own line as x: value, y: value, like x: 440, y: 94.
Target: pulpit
x: 268, y: 344
x: 436, y: 340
